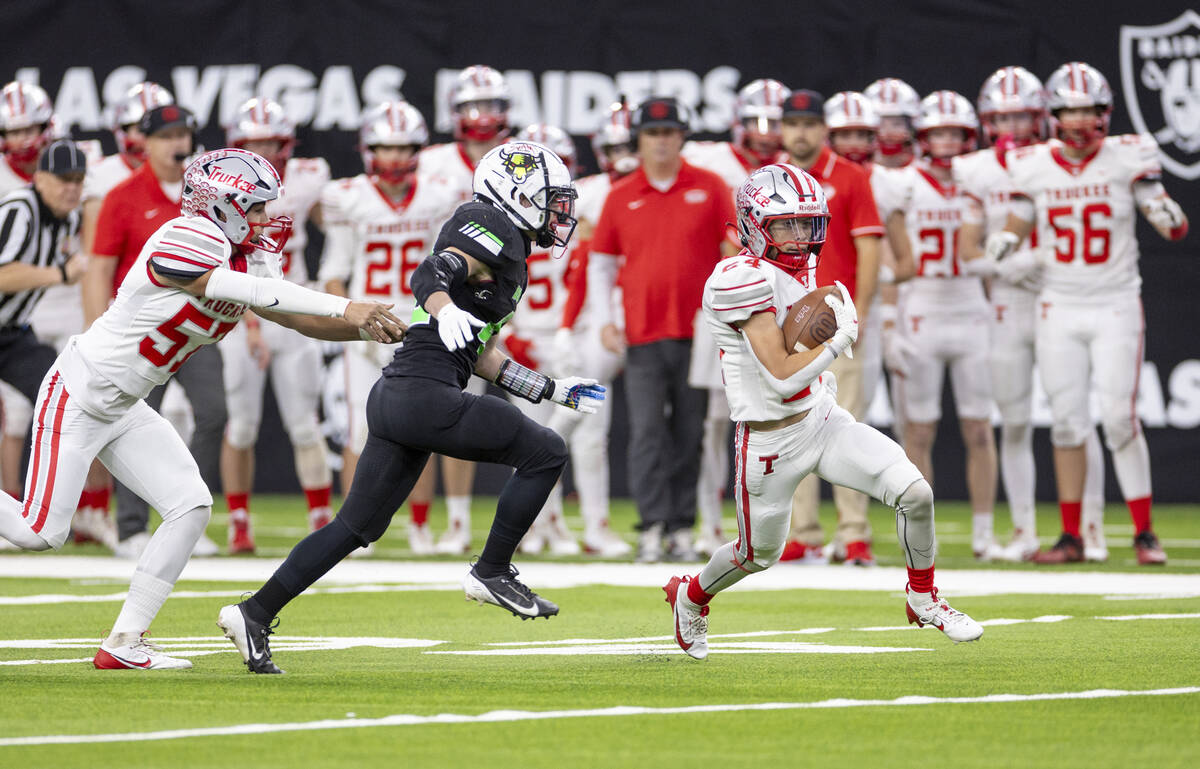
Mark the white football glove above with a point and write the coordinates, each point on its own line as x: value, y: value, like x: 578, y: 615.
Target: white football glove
x: 1021, y: 269
x: 1164, y: 213
x: 847, y: 321
x: 456, y: 326
x: 1000, y: 245
x: 583, y: 395
x: 829, y: 382
x: 566, y: 353
x: 887, y: 276
x: 898, y: 350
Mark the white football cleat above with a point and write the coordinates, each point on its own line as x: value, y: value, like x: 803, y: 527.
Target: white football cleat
x: 558, y: 537
x: 691, y: 624
x: 96, y: 524
x: 134, y: 652
x: 605, y: 543
x: 927, y: 609
x: 205, y: 547
x: 456, y: 541
x: 131, y: 547
x: 988, y: 552
x: 1021, y: 548
x: 420, y: 538
x: 709, y: 541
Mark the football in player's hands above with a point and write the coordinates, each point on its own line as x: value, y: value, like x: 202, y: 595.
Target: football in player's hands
x: 810, y: 321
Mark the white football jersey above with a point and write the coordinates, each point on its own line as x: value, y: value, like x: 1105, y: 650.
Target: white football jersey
x: 891, y: 188
x: 150, y: 329
x: 933, y: 218
x: 9, y: 179
x: 449, y: 163
x: 303, y: 180
x: 1087, y: 212
x: 373, y: 244
x: 593, y: 191
x: 540, y: 312
x: 105, y: 175
x: 739, y: 287
x: 721, y: 159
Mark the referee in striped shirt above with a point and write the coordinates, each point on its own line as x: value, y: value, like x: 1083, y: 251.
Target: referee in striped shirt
x: 39, y: 243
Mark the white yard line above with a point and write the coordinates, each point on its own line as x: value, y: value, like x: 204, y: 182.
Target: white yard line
x: 499, y: 716
x: 251, y: 572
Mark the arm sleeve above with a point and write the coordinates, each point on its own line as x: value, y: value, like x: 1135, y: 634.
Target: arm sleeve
x: 187, y: 252
x: 275, y: 294
x: 110, y: 229
x: 576, y: 283
x: 337, y: 256
x: 601, y: 279
x: 1143, y: 158
x: 438, y: 272
x: 737, y: 291
x: 15, y: 220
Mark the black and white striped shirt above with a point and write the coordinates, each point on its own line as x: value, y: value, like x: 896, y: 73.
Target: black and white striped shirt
x: 30, y: 233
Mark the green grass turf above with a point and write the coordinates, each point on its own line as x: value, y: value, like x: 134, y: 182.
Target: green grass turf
x: 1082, y: 653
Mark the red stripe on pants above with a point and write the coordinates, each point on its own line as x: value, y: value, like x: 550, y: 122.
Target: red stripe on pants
x: 35, y: 467
x: 55, y: 434
x: 743, y: 489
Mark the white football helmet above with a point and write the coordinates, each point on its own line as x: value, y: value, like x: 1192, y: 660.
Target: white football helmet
x: 615, y: 138
x: 480, y: 100
x: 782, y: 217
x: 532, y: 186
x: 126, y: 112
x: 757, y: 115
x: 946, y: 109
x: 391, y: 124
x: 553, y: 137
x: 1009, y: 90
x: 263, y: 119
x: 851, y: 110
x: 223, y: 185
x: 25, y: 105
x: 894, y: 98
x: 1076, y: 84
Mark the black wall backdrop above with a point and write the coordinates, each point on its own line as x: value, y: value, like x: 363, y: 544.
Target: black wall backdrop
x: 566, y: 61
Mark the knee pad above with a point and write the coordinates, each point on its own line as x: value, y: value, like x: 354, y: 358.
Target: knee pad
x: 1119, y: 432
x: 241, y: 433
x: 547, y: 448
x: 917, y: 500
x: 763, y: 559
x: 305, y: 433
x: 1015, y: 433
x: 1070, y: 433
x: 374, y: 529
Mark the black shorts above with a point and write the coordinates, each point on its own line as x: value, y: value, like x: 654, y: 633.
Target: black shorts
x: 24, y: 360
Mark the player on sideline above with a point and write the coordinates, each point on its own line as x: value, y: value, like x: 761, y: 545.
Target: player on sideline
x: 1083, y: 190
x: 788, y: 423
x: 466, y: 290
x: 191, y: 284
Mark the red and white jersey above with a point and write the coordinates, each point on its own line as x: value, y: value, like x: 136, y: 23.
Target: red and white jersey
x: 449, y: 163
x: 9, y: 179
x: 739, y: 287
x: 151, y: 328
x: 303, y: 180
x: 1086, y: 212
x: 375, y: 244
x: 540, y: 312
x: 105, y: 175
x: 934, y: 215
x: 892, y: 189
x: 593, y: 191
x: 722, y: 159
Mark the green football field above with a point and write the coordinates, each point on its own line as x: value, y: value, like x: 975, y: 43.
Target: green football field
x: 1090, y: 665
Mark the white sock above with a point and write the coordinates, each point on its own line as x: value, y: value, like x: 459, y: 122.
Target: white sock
x: 1132, y: 465
x: 1018, y: 472
x: 981, y: 529
x: 459, y: 512
x: 147, y: 594
x: 1093, y: 481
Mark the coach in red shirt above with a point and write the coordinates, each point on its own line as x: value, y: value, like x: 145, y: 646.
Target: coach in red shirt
x: 132, y: 212
x: 851, y: 255
x: 661, y: 231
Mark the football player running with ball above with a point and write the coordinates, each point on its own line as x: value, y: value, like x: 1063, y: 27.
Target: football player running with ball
x: 788, y: 423
x: 466, y: 290
x: 192, y: 282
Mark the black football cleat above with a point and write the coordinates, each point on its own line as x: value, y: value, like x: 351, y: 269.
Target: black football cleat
x: 249, y: 636
x: 507, y: 592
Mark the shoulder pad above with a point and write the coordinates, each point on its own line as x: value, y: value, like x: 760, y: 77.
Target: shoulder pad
x: 480, y: 229
x: 738, y: 288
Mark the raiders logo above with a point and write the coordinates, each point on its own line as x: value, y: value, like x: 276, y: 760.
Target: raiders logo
x: 519, y: 164
x: 1160, y: 75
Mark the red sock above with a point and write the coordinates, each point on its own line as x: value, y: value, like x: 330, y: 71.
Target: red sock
x: 318, y: 497
x: 238, y: 501
x: 696, y: 594
x: 102, y: 495
x: 920, y: 580
x: 1070, y: 512
x: 420, y: 512
x: 87, y: 499
x: 1139, y: 511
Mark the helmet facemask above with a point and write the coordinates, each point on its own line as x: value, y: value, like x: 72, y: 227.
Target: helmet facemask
x: 793, y: 241
x: 1083, y: 132
x: 481, y: 120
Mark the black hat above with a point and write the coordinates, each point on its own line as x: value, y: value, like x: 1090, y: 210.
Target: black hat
x: 659, y: 111
x: 804, y: 103
x: 62, y: 157
x: 166, y: 116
